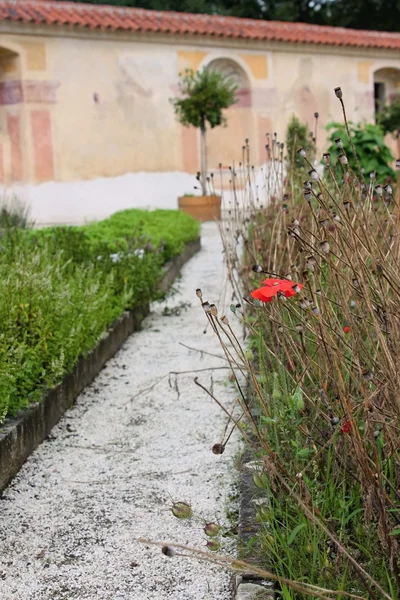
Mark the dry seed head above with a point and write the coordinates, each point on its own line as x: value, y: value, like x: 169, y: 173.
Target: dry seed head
x: 282, y: 297
x: 372, y: 175
x: 257, y: 268
x: 296, y: 288
x: 213, y: 310
x: 338, y: 93
x: 335, y: 420
x: 336, y: 218
x: 301, y: 152
x: 206, y: 307
x: 307, y: 195
x: 324, y: 222
x: 284, y: 208
x: 377, y: 433
x: 379, y: 190
x: 326, y: 158
x: 218, y: 449
x: 168, y: 551
x: 315, y: 310
x: 356, y: 283
x: 343, y: 159
x: 367, y: 375
x: 303, y: 304
x: 325, y: 247
x: 388, y: 189
x: 225, y: 320
x: 339, y: 142
x: 199, y: 293
x: 307, y: 185
x: 398, y: 164
x: 313, y: 174
x: 295, y: 223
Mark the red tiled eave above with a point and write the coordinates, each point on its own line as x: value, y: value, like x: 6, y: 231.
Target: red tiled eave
x: 94, y: 16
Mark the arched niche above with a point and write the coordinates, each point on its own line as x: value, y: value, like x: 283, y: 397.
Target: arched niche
x: 386, y: 86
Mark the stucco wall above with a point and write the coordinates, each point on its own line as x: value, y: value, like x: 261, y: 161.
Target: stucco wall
x: 78, y: 106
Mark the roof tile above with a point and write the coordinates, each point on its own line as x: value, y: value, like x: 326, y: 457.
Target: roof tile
x: 95, y: 16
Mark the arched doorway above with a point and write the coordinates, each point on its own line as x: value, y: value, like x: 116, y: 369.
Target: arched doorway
x: 386, y: 86
x: 224, y: 144
x: 386, y: 89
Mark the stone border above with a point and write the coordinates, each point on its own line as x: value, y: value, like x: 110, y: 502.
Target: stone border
x: 20, y: 436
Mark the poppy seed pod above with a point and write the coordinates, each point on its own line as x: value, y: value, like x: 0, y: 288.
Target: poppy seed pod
x: 218, y: 449
x: 339, y: 142
x: 303, y: 304
x: 335, y: 420
x: 211, y: 529
x: 325, y: 247
x: 372, y: 175
x: 376, y: 433
x: 301, y: 152
x: 199, y: 293
x: 336, y: 218
x: 379, y: 190
x: 324, y: 222
x: 342, y: 158
x: 338, y: 92
x: 347, y: 205
x: 367, y: 375
x: 313, y: 174
x: 356, y: 283
x: 168, y: 551
x: 225, y: 320
x: 398, y: 164
x: 326, y: 158
x: 282, y: 297
x: 285, y: 197
x: 307, y: 185
x: 182, y: 510
x: 316, y: 115
x: 213, y: 310
x: 284, y: 208
x: 307, y: 195
x: 296, y: 288
x: 257, y: 268
x: 315, y: 310
x: 388, y: 189
x: 295, y: 223
x: 206, y: 307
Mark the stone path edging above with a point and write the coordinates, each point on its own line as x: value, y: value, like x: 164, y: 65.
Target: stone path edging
x: 19, y: 437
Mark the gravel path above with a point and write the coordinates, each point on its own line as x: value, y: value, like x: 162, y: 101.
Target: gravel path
x: 111, y: 468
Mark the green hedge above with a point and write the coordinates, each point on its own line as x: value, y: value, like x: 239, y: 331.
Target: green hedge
x: 62, y: 287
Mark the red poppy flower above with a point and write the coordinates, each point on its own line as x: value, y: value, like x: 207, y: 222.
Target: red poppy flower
x: 346, y: 329
x: 346, y: 426
x: 271, y: 287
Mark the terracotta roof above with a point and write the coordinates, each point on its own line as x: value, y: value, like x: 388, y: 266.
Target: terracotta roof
x: 95, y: 16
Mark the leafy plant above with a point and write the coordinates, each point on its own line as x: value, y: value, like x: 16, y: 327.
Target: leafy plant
x: 62, y: 287
x: 204, y: 96
x: 368, y: 139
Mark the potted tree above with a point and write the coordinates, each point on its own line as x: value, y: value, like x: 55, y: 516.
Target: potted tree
x: 203, y: 96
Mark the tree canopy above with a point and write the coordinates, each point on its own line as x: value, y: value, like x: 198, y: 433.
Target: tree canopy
x: 383, y: 15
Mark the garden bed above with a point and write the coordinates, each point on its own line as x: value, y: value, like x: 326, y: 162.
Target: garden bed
x: 123, y: 281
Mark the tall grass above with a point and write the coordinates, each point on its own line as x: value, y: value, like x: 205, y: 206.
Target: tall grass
x: 324, y: 370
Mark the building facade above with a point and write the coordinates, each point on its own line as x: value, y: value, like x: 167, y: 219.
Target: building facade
x: 85, y: 89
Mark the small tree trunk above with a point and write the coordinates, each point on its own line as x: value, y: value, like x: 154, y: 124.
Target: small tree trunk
x: 203, y: 159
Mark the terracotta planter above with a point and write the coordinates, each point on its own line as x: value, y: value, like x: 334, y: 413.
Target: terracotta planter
x: 202, y: 208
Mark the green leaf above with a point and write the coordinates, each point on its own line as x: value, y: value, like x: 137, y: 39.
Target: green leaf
x: 395, y: 531
x: 295, y: 531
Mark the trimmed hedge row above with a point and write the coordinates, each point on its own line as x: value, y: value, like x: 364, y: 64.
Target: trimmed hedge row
x: 62, y: 287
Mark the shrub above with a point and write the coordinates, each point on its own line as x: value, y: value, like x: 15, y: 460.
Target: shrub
x: 368, y: 139
x: 62, y: 287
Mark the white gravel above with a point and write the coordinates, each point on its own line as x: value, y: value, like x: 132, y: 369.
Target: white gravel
x: 111, y: 468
